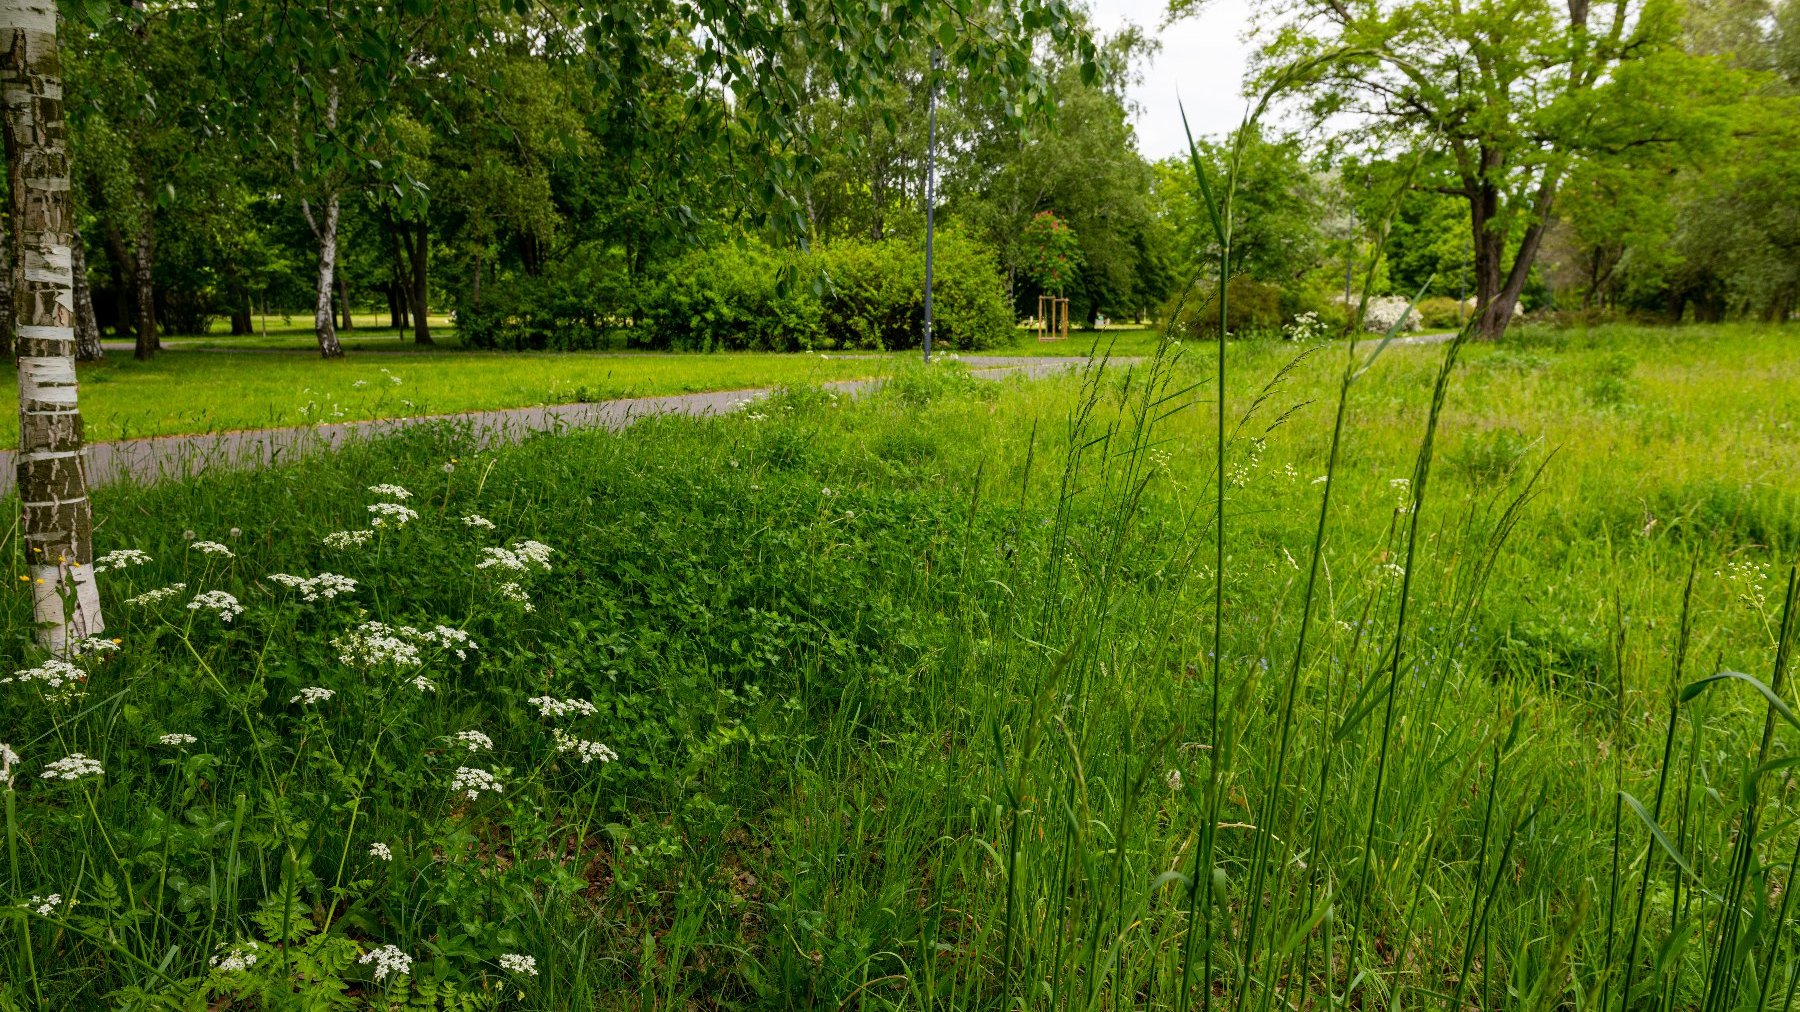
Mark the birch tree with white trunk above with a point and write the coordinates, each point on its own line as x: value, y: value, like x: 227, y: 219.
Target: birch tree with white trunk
x: 57, y: 516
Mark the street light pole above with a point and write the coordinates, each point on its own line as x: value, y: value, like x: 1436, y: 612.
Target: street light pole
x: 937, y: 58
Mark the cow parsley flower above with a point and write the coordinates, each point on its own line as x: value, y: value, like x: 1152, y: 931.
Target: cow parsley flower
x: 312, y: 694
x: 119, y: 559
x: 73, y: 767
x: 511, y: 591
x: 589, y: 751
x: 213, y: 548
x: 43, y: 906
x: 239, y: 957
x: 475, y: 741
x: 386, y: 511
x: 513, y: 962
x: 312, y: 588
x: 381, y: 851
x: 374, y: 643
x: 472, y: 781
x: 394, y: 492
x: 8, y: 759
x: 225, y: 605
x: 177, y: 739
x: 478, y: 521
x: 535, y: 552
x: 550, y: 706
x: 389, y: 961
x: 157, y: 595
x: 423, y: 684
x: 88, y: 645
x: 500, y: 558
x: 348, y: 539
x: 54, y: 673
x: 455, y: 641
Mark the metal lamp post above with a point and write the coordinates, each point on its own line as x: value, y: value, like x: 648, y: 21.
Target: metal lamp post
x: 937, y: 60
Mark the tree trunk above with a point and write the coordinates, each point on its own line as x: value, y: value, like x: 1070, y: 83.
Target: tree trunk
x: 142, y: 262
x: 418, y: 250
x: 120, y: 263
x: 344, y: 302
x: 475, y: 290
x: 241, y: 324
x: 87, y: 326
x: 58, y: 520
x: 324, y: 317
x: 7, y: 284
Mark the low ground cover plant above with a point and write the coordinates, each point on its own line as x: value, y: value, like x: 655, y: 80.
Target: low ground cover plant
x: 911, y: 701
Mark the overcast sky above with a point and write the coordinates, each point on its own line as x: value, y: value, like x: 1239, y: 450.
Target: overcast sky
x: 1201, y: 63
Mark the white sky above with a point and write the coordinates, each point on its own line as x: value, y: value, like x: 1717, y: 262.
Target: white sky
x: 1201, y: 63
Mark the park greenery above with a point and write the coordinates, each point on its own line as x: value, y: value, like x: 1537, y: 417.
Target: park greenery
x: 1256, y: 655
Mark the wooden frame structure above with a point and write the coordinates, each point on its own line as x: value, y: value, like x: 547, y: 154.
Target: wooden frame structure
x: 1053, y: 318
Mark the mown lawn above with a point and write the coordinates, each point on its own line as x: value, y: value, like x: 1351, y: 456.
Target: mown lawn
x: 204, y: 391
x: 918, y: 701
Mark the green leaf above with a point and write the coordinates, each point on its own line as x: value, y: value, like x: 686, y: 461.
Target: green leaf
x: 1693, y: 689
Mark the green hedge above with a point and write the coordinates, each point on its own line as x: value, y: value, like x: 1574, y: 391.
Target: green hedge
x: 849, y: 294
x: 576, y: 304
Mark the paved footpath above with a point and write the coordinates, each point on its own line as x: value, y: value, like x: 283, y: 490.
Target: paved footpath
x: 164, y: 458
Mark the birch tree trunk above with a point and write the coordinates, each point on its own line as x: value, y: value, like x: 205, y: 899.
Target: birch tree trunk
x: 58, y: 519
x: 418, y: 245
x: 325, y: 227
x: 7, y: 284
x: 87, y: 324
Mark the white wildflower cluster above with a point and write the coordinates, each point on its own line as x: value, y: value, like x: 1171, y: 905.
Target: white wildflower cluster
x: 474, y: 741
x: 1749, y: 581
x: 1306, y: 327
x: 54, y: 673
x: 374, y: 643
x: 513, y: 962
x: 312, y: 588
x: 478, y: 522
x: 472, y: 781
x: 1403, y: 494
x: 391, y: 512
x: 1241, y: 472
x: 119, y: 559
x: 517, y: 557
x: 394, y: 492
x: 43, y: 906
x: 1393, y: 570
x: 213, y: 548
x: 177, y: 739
x: 381, y: 851
x: 454, y: 641
x: 72, y: 767
x: 312, y: 694
x: 423, y: 684
x: 218, y: 602
x: 157, y: 595
x: 389, y: 962
x: 236, y: 958
x: 512, y: 591
x: 347, y: 539
x: 550, y: 706
x: 8, y: 759
x: 589, y: 751
x: 90, y: 645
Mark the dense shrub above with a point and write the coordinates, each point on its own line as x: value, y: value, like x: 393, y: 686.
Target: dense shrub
x: 1440, y: 313
x: 1253, y: 308
x: 576, y: 304
x: 848, y: 294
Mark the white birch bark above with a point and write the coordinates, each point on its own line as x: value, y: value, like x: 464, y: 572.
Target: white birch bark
x: 58, y: 518
x: 324, y: 229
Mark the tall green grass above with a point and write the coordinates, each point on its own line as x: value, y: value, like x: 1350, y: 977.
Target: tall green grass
x: 940, y: 698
